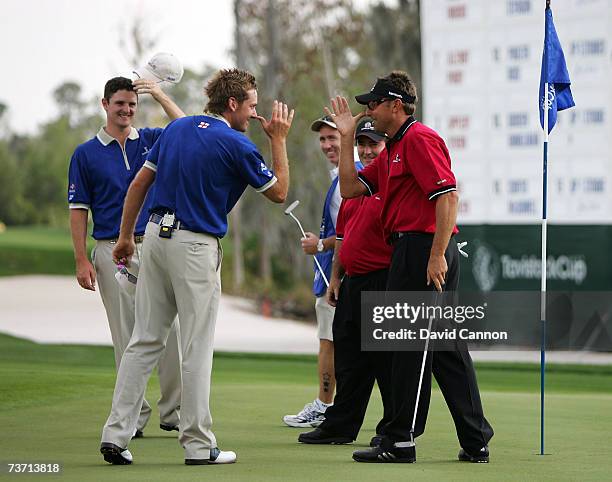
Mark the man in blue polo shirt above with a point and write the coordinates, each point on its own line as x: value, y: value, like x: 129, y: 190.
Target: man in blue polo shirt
x: 201, y: 166
x: 100, y: 172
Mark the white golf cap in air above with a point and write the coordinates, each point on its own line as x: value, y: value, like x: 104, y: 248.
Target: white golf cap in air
x: 163, y: 67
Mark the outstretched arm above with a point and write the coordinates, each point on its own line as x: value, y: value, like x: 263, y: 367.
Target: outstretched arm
x: 144, y: 86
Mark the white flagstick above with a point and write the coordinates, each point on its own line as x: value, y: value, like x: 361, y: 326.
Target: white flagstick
x: 544, y: 271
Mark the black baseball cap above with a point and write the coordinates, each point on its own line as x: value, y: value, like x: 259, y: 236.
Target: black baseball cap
x: 384, y: 90
x: 323, y: 121
x: 366, y: 128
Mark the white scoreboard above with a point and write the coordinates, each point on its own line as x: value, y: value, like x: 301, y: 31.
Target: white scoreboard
x: 481, y: 70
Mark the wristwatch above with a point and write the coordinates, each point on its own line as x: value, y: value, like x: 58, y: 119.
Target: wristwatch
x: 320, y: 246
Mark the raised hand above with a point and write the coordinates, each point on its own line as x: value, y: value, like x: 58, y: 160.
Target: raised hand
x: 280, y: 121
x: 145, y: 86
x: 342, y: 116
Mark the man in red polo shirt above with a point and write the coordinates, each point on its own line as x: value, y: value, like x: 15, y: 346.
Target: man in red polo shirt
x: 362, y: 257
x: 419, y: 213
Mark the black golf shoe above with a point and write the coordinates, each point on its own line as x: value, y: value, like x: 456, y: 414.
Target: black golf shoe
x: 168, y: 428
x: 376, y: 440
x: 386, y: 453
x: 113, y: 454
x: 319, y: 436
x: 482, y: 457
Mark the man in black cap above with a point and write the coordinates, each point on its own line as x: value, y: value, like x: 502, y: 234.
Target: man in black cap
x: 418, y: 215
x: 361, y: 263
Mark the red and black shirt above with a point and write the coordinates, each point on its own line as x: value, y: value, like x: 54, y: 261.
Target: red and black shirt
x: 359, y: 227
x: 413, y: 170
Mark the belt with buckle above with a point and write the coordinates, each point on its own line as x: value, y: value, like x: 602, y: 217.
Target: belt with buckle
x: 137, y: 239
x: 395, y: 237
x: 157, y: 219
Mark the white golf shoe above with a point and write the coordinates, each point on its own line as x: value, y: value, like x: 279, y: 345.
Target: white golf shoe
x: 216, y: 457
x: 312, y: 415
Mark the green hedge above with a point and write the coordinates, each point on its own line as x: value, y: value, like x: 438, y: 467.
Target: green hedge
x: 36, y: 250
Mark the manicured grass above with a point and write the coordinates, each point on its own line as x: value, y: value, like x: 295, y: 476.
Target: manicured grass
x: 36, y: 250
x: 44, y: 250
x: 36, y: 237
x: 54, y: 400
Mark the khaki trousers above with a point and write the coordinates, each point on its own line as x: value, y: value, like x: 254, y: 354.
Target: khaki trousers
x: 325, y: 318
x: 120, y: 312
x: 178, y: 275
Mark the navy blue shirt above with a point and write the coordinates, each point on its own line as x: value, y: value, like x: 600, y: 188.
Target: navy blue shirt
x: 203, y: 166
x: 99, y: 176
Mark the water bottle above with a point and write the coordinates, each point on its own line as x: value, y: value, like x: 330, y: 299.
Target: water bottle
x: 127, y: 281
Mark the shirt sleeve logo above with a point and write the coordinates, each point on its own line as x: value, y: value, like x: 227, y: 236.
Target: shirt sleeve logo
x: 264, y: 169
x: 441, y: 181
x: 146, y: 151
x: 71, y: 191
x: 203, y: 125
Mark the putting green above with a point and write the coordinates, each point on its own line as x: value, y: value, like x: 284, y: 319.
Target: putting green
x: 54, y: 400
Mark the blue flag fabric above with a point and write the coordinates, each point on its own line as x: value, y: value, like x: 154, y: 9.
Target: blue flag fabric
x: 554, y: 71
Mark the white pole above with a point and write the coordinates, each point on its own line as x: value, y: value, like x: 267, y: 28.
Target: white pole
x: 544, y: 197
x: 546, y: 106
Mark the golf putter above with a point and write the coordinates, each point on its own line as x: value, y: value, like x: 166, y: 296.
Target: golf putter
x: 418, y: 394
x: 289, y: 212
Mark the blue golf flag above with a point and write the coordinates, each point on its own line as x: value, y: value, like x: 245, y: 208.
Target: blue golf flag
x: 554, y: 71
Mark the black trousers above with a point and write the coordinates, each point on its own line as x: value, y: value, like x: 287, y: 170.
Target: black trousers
x: 453, y: 368
x: 355, y: 370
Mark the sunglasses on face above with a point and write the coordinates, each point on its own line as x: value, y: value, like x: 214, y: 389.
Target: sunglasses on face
x: 373, y: 104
